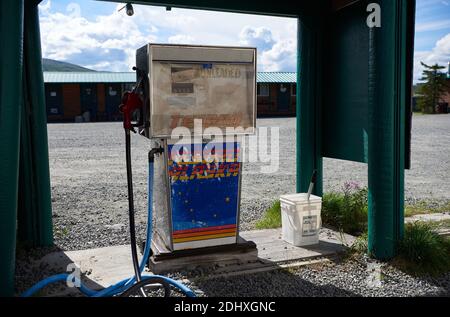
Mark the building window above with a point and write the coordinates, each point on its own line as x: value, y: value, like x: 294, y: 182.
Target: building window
x: 294, y: 89
x: 111, y: 91
x: 263, y: 90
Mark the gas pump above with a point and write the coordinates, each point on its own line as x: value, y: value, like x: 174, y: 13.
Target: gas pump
x: 194, y: 181
x: 206, y: 95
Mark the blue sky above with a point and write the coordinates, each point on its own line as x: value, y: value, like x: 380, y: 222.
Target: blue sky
x: 95, y: 35
x: 432, y: 39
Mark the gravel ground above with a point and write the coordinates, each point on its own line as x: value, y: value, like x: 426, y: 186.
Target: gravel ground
x: 89, y: 182
x: 89, y: 195
x: 357, y: 277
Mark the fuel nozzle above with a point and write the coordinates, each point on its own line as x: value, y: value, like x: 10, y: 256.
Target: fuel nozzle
x: 131, y: 102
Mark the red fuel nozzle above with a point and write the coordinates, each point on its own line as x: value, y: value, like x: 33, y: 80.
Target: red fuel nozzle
x: 130, y: 103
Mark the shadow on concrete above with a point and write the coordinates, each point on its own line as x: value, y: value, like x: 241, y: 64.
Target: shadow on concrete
x: 34, y: 265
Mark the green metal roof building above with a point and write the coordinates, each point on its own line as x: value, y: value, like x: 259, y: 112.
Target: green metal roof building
x: 130, y: 77
x: 69, y: 95
x: 89, y: 77
x: 276, y: 77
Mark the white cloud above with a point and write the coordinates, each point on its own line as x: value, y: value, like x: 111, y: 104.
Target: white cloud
x: 44, y: 8
x: 273, y: 54
x: 181, y: 39
x: 440, y: 54
x: 74, y: 9
x: 433, y: 26
x: 109, y: 42
x: 281, y: 57
x: 260, y: 37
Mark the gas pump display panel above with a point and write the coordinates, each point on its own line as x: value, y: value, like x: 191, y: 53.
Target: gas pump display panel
x: 214, y: 84
x: 204, y: 198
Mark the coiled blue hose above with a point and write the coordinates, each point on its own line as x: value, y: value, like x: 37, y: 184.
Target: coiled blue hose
x: 123, y: 285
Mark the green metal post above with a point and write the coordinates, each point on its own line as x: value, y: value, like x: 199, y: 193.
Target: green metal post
x: 386, y: 131
x: 308, y: 106
x: 11, y: 50
x: 35, y: 213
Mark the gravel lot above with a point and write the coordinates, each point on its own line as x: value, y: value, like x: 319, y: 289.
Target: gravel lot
x: 87, y: 165
x: 358, y: 277
x: 89, y: 195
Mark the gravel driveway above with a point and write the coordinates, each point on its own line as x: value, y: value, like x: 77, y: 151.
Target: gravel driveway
x: 89, y: 195
x: 356, y: 277
x: 87, y: 165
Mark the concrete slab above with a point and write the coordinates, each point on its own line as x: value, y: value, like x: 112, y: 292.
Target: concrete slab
x: 102, y: 266
x: 106, y: 266
x: 444, y: 232
x: 163, y: 260
x: 429, y: 217
x: 273, y: 249
x: 436, y: 217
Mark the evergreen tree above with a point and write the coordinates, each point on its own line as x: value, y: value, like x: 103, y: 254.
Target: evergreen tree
x: 434, y: 86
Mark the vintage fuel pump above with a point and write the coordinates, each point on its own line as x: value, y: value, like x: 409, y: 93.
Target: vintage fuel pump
x: 198, y: 93
x: 194, y: 181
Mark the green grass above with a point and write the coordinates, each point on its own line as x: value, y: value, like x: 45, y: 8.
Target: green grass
x: 421, y: 208
x: 443, y: 224
x: 416, y: 209
x: 421, y: 251
x: 360, y: 245
x: 271, y: 218
x: 61, y: 232
x: 346, y: 211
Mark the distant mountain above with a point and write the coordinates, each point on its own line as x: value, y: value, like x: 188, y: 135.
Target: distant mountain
x: 50, y: 65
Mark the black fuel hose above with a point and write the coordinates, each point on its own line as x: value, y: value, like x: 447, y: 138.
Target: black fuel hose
x: 139, y: 284
x: 134, y: 255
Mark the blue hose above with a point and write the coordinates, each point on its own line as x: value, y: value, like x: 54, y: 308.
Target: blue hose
x: 123, y: 285
x: 55, y: 279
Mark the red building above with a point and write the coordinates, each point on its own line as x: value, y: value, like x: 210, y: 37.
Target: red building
x: 95, y: 96
x: 276, y: 93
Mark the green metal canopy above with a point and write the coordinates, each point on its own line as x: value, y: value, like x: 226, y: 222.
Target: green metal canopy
x: 354, y: 89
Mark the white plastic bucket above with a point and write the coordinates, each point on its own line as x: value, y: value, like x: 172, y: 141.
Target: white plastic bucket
x: 300, y: 218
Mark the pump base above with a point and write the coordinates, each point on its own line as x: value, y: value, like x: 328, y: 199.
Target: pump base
x: 164, y: 260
